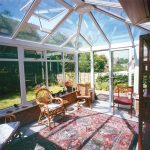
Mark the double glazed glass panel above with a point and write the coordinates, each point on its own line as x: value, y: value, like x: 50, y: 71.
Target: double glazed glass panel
x: 34, y: 75
x: 84, y: 68
x: 120, y: 67
x: 9, y: 84
x: 101, y: 72
x: 70, y: 71
x: 55, y: 75
x: 11, y: 14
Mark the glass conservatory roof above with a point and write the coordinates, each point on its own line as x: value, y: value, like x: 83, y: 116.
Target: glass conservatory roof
x: 72, y: 24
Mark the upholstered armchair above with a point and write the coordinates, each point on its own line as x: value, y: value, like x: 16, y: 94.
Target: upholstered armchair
x: 124, y: 96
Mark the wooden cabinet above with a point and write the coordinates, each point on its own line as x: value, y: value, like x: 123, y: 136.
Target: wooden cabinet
x: 144, y: 87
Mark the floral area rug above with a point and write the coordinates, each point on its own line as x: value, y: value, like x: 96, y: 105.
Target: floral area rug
x: 83, y: 130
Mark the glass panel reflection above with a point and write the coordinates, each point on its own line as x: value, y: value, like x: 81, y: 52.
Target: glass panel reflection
x: 68, y: 28
x: 115, y: 30
x: 46, y: 24
x: 11, y: 14
x: 28, y: 32
x: 90, y: 32
x: 49, y: 8
x: 81, y: 43
x: 117, y: 11
x: 71, y: 43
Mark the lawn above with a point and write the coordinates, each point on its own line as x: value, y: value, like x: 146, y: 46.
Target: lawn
x: 10, y: 100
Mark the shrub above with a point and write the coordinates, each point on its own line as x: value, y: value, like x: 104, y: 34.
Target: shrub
x: 102, y: 82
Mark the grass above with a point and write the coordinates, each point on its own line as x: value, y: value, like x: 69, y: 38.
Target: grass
x: 56, y: 89
x: 9, y: 100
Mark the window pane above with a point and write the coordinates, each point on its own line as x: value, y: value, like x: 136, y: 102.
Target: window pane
x: 33, y: 54
x: 29, y: 32
x: 49, y: 8
x: 68, y: 56
x: 55, y: 75
x: 54, y: 55
x: 8, y: 52
x: 68, y: 28
x: 44, y: 23
x: 70, y: 2
x: 101, y: 72
x: 82, y: 43
x: 70, y: 71
x: 9, y: 84
x: 117, y: 11
x: 90, y: 32
x: 71, y: 43
x: 11, y: 14
x: 136, y: 32
x: 115, y: 30
x: 34, y: 75
x: 84, y: 68
x: 120, y: 67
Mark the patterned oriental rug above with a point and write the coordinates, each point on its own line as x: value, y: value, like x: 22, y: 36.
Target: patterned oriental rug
x: 83, y: 129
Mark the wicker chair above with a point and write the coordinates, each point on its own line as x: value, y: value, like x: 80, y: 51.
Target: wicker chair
x: 84, y: 94
x: 49, y: 106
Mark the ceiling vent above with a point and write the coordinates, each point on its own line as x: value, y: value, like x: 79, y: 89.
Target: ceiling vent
x: 84, y: 9
x: 137, y: 10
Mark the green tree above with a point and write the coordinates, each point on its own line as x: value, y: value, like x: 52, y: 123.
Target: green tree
x: 84, y: 62
x: 100, y: 62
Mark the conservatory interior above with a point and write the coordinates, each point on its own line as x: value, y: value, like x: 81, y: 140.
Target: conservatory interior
x: 52, y: 51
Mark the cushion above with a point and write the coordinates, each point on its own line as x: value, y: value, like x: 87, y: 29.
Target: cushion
x: 123, y: 100
x: 53, y: 106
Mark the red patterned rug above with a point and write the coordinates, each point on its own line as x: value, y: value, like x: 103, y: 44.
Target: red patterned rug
x: 90, y: 130
x: 83, y: 130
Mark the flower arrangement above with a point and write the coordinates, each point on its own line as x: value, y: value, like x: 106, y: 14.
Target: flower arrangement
x: 68, y: 83
x: 69, y: 86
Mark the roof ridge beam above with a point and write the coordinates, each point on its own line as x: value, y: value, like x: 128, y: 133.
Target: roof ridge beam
x: 27, y: 16
x: 78, y: 30
x: 99, y: 28
x: 130, y: 34
x: 57, y: 26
